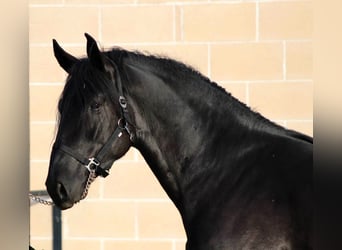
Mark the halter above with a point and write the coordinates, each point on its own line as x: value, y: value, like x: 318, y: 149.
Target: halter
x: 95, y: 163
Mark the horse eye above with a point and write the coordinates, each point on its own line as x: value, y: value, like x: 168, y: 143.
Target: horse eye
x: 95, y: 106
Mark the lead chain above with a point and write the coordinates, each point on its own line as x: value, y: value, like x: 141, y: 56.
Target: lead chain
x: 40, y: 200
x: 91, y: 178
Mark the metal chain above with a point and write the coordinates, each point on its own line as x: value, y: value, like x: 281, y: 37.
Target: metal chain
x: 92, y: 176
x: 40, y: 200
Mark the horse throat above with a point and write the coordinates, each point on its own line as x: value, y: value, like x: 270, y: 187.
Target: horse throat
x: 169, y: 130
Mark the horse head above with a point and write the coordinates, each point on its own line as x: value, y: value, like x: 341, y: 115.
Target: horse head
x: 92, y: 126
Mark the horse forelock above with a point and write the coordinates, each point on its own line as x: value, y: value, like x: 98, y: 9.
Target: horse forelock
x: 84, y: 82
x: 82, y: 85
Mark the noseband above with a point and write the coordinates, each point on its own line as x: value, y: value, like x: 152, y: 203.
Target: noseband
x: 94, y: 163
x: 124, y: 123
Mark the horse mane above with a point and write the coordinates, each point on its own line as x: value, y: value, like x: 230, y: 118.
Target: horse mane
x: 181, y: 71
x: 159, y: 61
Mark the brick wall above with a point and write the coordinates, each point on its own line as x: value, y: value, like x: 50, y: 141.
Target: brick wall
x: 259, y: 50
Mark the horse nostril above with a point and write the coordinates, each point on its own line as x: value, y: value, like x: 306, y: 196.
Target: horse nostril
x: 61, y: 192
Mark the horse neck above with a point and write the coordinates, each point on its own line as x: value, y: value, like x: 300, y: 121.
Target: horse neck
x: 177, y: 131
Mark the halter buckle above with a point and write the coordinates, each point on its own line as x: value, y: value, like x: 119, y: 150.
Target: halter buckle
x: 123, y: 102
x: 92, y: 162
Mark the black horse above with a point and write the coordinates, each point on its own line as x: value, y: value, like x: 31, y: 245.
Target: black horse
x: 238, y: 180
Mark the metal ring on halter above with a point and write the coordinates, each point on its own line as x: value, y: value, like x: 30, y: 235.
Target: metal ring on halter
x: 122, y: 123
x: 92, y: 161
x: 123, y: 102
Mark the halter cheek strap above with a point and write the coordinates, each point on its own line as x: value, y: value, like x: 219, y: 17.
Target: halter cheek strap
x: 96, y: 161
x: 125, y: 117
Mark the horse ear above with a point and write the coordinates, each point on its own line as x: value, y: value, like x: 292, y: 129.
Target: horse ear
x: 94, y: 54
x: 64, y: 59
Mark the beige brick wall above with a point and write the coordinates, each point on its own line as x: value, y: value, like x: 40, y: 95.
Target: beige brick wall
x: 259, y: 50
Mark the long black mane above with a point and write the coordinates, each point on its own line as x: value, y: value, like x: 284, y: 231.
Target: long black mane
x: 174, y: 68
x: 177, y: 71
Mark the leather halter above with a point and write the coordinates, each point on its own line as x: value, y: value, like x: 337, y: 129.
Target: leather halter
x: 124, y: 123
